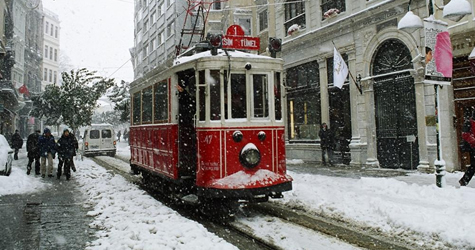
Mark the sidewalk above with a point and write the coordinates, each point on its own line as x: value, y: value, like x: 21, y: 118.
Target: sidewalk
x: 340, y: 170
x: 397, y: 203
x: 47, y: 214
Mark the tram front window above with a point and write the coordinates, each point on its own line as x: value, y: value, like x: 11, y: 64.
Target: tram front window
x: 215, y: 95
x: 261, y: 100
x: 238, y: 96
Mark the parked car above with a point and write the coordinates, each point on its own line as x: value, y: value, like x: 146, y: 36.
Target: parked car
x: 6, y: 157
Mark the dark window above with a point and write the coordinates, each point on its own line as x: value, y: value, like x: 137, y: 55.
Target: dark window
x: 215, y: 95
x: 95, y: 134
x: 263, y: 20
x: 304, y: 75
x: 217, y: 6
x: 304, y: 115
x: 136, y: 107
x: 294, y: 13
x: 278, y: 98
x: 238, y: 96
x: 202, y: 96
x: 330, y: 68
x: 161, y: 102
x: 261, y: 98
x: 333, y: 4
x: 147, y: 105
x: 106, y: 133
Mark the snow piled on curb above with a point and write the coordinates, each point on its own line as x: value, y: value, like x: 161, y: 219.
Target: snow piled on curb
x: 436, y: 215
x: 20, y: 183
x: 128, y: 218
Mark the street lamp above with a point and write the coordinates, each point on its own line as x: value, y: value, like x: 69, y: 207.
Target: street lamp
x: 410, y: 22
x: 455, y: 10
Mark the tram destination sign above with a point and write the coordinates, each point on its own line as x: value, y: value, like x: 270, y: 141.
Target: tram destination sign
x: 235, y: 39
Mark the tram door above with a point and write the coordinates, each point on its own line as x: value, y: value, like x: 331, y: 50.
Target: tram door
x: 186, y: 123
x: 396, y: 123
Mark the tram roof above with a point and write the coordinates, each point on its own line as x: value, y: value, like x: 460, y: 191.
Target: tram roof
x: 221, y: 53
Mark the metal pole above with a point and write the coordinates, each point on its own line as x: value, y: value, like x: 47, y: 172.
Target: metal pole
x: 439, y: 162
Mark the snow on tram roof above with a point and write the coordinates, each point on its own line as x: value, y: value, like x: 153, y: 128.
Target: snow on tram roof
x: 232, y: 53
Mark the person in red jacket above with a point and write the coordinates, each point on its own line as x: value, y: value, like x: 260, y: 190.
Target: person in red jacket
x: 468, y: 134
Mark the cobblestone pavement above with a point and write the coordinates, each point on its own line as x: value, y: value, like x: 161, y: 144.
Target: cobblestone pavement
x: 54, y: 218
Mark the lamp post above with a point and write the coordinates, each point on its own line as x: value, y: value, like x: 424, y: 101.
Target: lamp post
x: 455, y: 10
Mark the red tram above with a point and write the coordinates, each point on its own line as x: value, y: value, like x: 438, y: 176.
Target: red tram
x: 212, y: 127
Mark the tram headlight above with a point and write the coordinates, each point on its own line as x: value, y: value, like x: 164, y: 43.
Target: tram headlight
x: 250, y: 156
x: 261, y: 135
x: 237, y: 136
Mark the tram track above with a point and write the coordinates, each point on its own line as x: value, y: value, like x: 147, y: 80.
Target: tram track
x: 244, y: 237
x: 231, y: 232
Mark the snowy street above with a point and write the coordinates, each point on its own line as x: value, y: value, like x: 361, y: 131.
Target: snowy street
x: 119, y: 215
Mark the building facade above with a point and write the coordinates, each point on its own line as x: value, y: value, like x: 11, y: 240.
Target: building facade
x: 385, y: 115
x: 392, y: 122
x: 8, y: 94
x: 157, y: 27
x: 51, y: 32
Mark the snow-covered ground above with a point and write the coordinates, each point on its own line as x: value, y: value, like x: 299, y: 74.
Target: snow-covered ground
x: 128, y: 218
x: 412, y: 207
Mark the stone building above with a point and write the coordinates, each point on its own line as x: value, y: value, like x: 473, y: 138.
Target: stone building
x: 392, y: 122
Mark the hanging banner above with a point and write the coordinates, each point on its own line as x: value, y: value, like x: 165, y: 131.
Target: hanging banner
x: 438, y: 52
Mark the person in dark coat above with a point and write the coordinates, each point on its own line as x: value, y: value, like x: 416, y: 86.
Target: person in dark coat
x: 327, y: 143
x: 118, y: 136
x: 61, y: 159
x: 33, y: 152
x: 47, y: 147
x: 126, y: 135
x: 66, y: 146
x: 468, y: 134
x: 17, y: 143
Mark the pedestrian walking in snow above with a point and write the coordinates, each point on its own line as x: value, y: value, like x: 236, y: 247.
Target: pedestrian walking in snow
x: 17, y: 143
x: 118, y: 136
x: 62, y: 159
x: 327, y: 143
x: 468, y: 134
x: 47, y: 147
x: 126, y: 135
x: 66, y: 146
x: 33, y: 152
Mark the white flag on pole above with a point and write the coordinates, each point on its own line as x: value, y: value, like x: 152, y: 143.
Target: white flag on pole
x: 340, y: 69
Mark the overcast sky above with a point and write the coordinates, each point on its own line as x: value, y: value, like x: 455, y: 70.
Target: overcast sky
x: 97, y: 34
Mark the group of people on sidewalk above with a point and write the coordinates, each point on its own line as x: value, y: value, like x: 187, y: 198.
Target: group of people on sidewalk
x: 42, y: 148
x: 125, y: 135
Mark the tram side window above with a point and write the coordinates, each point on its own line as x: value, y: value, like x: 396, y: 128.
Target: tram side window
x: 238, y: 96
x: 215, y: 95
x: 161, y: 102
x: 278, y: 98
x: 147, y: 105
x: 136, y: 109
x: 202, y: 96
x: 261, y: 96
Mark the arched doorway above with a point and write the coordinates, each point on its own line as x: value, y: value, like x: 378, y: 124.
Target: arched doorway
x: 395, y: 106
